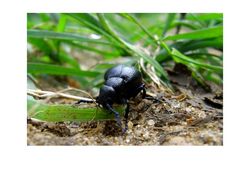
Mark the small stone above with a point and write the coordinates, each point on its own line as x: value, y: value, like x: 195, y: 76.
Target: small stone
x: 202, y: 114
x: 177, y: 141
x: 151, y: 122
x: 130, y: 125
x: 188, y: 109
x: 138, y: 132
x: 127, y: 140
x: 175, y: 105
x: 146, y: 135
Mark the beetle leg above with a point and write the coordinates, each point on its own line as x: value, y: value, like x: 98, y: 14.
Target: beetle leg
x: 144, y: 92
x: 126, y: 118
x: 84, y: 101
x: 126, y: 111
x: 116, y: 114
x: 138, y: 90
x: 155, y: 100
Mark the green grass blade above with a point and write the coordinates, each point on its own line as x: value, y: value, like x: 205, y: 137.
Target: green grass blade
x: 92, y: 23
x: 133, y: 19
x: 63, y: 36
x: 62, y: 23
x: 199, y: 34
x: 41, y: 45
x: 65, y: 58
x: 190, y: 46
x: 108, y: 29
x: 206, y: 16
x: 134, y: 50
x: 170, y: 19
x: 180, y: 58
x: 66, y: 113
x: 184, y: 23
x: 88, y: 20
x: 95, y: 50
x: 40, y: 68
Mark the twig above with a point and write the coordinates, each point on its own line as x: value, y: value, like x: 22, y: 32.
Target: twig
x: 48, y: 94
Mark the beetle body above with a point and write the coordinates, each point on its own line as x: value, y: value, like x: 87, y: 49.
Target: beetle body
x: 121, y: 84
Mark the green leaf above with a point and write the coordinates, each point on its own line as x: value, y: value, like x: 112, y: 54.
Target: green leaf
x: 190, y: 46
x: 63, y: 36
x: 134, y: 50
x: 62, y: 23
x: 66, y: 113
x: 180, y: 58
x: 199, y: 34
x: 40, y: 68
x: 149, y: 59
x: 41, y: 45
x: 170, y: 19
x: 95, y: 50
x: 133, y: 19
x: 65, y: 58
x: 207, y: 16
x: 185, y: 23
x: 92, y: 23
x: 88, y: 20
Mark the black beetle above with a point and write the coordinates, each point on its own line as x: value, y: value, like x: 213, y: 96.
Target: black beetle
x: 121, y: 83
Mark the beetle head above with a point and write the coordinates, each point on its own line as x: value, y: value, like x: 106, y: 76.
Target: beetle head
x: 106, y: 96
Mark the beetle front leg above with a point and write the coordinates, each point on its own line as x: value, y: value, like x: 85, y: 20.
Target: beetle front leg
x: 116, y: 114
x: 144, y: 91
x: 126, y: 118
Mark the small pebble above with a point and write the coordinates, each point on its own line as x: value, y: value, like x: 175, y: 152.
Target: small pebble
x: 151, y: 122
x: 202, y: 114
x: 138, y: 132
x: 188, y: 109
x: 127, y: 140
x: 146, y: 135
x: 175, y: 105
x: 130, y: 125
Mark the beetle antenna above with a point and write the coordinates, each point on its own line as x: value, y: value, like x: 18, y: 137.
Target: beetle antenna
x: 85, y: 101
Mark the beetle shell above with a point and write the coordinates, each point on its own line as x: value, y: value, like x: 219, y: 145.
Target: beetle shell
x: 128, y: 74
x: 121, y: 83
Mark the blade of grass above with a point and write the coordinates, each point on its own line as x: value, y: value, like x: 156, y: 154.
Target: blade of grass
x: 185, y: 23
x: 95, y: 50
x: 170, y: 19
x: 156, y: 41
x: 196, y: 75
x: 133, y: 19
x: 63, y: 36
x: 65, y: 113
x: 133, y: 49
x: 195, y: 18
x: 191, y: 45
x: 60, y: 28
x: 61, y: 23
x: 199, y: 34
x: 88, y: 20
x: 41, y: 45
x: 40, y: 68
x: 65, y: 58
x: 180, y: 58
x: 92, y: 23
x: 207, y: 16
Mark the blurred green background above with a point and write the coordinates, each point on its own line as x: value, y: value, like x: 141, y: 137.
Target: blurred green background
x: 83, y: 46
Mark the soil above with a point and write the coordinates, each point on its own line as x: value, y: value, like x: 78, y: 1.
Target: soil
x: 189, y: 116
